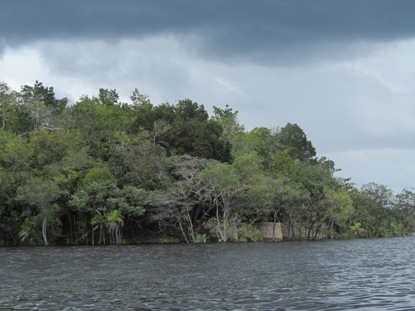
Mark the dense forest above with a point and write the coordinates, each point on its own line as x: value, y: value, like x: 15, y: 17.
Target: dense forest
x: 101, y: 171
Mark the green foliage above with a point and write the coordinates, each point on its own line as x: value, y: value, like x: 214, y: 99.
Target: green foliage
x: 29, y: 231
x: 41, y: 94
x: 228, y: 119
x: 373, y: 206
x: 50, y: 148
x: 108, y: 97
x: 41, y: 193
x: 248, y: 233
x: 15, y: 152
x: 165, y: 239
x: 201, y: 238
x: 404, y: 209
x: 236, y: 231
x: 101, y: 171
x: 100, y: 175
x: 293, y: 138
x: 97, y: 119
x: 261, y: 141
x: 283, y: 164
x: 357, y: 229
x: 8, y: 108
x: 139, y: 162
x: 189, y: 129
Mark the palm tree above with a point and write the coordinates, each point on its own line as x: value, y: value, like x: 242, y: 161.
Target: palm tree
x: 115, y: 222
x: 98, y: 222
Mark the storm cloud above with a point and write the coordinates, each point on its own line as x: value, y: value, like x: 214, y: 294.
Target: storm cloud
x: 235, y: 31
x: 343, y: 70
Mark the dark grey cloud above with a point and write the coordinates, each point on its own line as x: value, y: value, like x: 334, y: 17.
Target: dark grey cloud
x: 261, y: 30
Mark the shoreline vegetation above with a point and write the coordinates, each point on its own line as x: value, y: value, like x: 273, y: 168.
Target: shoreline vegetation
x: 101, y: 171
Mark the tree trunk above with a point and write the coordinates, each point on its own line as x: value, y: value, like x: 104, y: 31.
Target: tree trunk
x: 273, y: 230
x: 183, y: 232
x: 219, y: 233
x: 101, y: 235
x: 225, y: 227
x: 45, y: 238
x: 196, y: 222
x: 290, y: 230
x: 309, y: 233
x: 70, y: 229
x: 119, y: 235
x: 92, y: 234
x: 76, y: 230
x: 273, y: 227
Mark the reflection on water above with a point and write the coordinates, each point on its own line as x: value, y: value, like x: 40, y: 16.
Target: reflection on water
x: 334, y: 275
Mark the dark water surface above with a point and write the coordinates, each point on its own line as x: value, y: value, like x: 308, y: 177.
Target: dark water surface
x: 375, y: 274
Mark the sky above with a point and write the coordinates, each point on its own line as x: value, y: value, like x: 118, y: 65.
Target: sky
x: 344, y: 71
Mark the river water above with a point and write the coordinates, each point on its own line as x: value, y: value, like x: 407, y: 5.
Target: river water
x: 367, y: 274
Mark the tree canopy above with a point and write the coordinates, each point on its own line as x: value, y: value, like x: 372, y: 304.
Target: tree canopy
x: 101, y: 171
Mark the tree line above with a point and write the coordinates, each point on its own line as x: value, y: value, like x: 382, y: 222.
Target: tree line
x: 101, y: 171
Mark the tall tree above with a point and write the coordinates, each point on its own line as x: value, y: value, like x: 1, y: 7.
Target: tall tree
x: 228, y: 119
x: 91, y: 198
x: 44, y: 95
x: 404, y: 206
x: 340, y: 210
x: 181, y: 204
x: 373, y: 208
x: 42, y: 194
x: 317, y: 180
x: 39, y: 108
x: 98, y: 122
x: 108, y: 97
x: 290, y: 199
x: 293, y: 138
x: 222, y: 186
x: 8, y: 107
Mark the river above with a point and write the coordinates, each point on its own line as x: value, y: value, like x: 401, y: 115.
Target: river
x: 366, y: 274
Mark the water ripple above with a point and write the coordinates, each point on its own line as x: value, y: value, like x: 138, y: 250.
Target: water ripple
x: 334, y: 275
